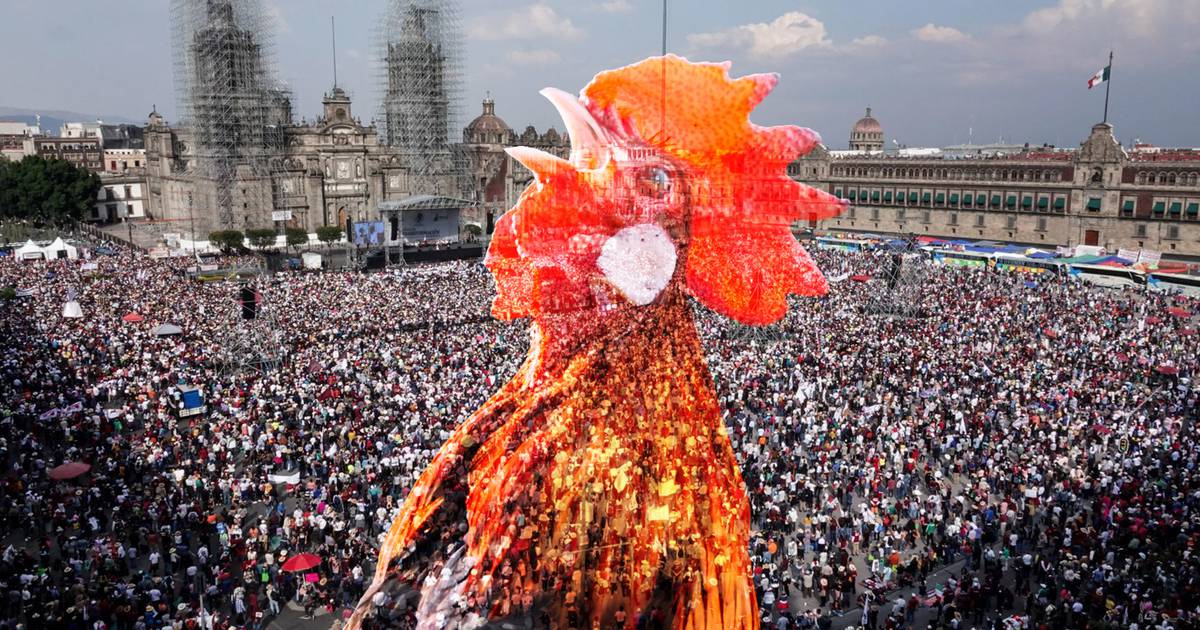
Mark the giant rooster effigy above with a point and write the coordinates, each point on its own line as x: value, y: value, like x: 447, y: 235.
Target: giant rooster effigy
x: 599, y: 484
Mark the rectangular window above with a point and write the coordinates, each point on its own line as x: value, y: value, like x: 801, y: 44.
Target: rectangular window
x: 899, y: 214
x: 926, y: 217
x: 953, y: 218
x: 1173, y: 232
x: 1011, y: 222
x: 979, y: 220
x: 1041, y: 224
x: 128, y: 192
x: 874, y: 214
x: 1139, y: 230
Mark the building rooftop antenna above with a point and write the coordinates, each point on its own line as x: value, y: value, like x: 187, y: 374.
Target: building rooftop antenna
x: 333, y: 43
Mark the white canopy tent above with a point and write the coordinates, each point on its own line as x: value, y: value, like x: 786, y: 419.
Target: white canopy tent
x: 166, y: 330
x: 29, y: 251
x: 60, y: 249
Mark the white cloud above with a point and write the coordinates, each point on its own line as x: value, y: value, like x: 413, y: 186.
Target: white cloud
x: 935, y: 34
x: 1143, y: 18
x: 615, y: 6
x: 783, y: 36
x: 869, y: 41
x: 535, y: 21
x: 537, y: 57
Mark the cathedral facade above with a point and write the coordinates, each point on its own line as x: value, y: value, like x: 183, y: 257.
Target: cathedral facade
x: 336, y: 170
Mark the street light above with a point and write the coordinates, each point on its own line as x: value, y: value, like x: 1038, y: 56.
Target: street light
x: 191, y: 223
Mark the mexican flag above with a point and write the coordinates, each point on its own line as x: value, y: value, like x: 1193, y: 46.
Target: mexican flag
x: 1100, y: 77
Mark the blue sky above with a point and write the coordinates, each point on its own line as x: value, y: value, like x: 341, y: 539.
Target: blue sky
x: 931, y: 69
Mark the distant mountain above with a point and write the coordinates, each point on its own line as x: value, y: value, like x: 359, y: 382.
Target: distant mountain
x: 52, y: 119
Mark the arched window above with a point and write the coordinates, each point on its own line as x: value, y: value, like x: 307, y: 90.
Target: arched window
x: 1097, y: 176
x: 1171, y: 179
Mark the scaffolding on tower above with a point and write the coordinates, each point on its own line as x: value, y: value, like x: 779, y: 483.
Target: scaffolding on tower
x: 234, y: 110
x: 419, y: 75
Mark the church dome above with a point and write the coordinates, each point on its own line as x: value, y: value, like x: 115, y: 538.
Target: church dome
x: 867, y: 134
x: 488, y: 128
x: 868, y: 124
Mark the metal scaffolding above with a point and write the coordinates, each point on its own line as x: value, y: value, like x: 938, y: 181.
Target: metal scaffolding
x: 419, y: 76
x: 898, y: 290
x: 249, y: 345
x: 233, y: 108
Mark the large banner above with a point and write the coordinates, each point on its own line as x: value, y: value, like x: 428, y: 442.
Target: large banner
x: 1150, y: 257
x: 438, y: 226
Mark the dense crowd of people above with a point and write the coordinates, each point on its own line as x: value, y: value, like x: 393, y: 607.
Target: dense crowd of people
x: 1024, y: 455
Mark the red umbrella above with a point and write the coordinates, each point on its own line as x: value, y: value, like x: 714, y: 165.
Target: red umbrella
x: 1153, y: 320
x: 860, y: 277
x: 302, y: 562
x: 69, y: 470
x: 132, y: 318
x: 1187, y: 331
x: 1050, y: 332
x: 1179, y: 312
x: 1168, y: 369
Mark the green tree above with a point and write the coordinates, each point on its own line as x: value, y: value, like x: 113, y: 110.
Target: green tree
x: 296, y: 236
x: 228, y: 240
x: 329, y: 234
x: 261, y: 237
x: 46, y: 192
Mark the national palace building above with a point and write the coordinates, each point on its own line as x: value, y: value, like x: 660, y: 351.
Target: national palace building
x: 1098, y: 194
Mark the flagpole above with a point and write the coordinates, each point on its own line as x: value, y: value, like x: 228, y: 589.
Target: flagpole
x: 1107, y: 86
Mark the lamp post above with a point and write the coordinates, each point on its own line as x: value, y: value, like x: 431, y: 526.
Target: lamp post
x: 191, y: 223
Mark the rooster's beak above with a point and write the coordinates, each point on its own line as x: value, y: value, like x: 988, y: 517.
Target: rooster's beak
x: 590, y: 145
